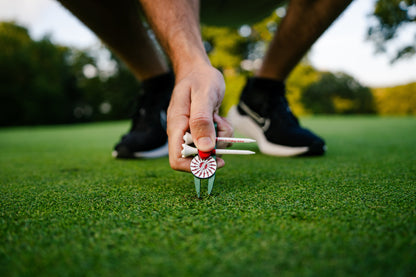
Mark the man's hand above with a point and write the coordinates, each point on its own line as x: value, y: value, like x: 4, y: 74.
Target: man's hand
x: 199, y: 87
x: 194, y: 106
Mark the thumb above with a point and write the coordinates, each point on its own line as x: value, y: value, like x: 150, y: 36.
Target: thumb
x: 201, y: 124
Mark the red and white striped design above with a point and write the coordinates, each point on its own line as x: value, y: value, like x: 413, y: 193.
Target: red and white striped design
x: 203, y: 169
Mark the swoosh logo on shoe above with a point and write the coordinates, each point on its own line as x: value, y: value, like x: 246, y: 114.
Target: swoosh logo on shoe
x: 263, y: 122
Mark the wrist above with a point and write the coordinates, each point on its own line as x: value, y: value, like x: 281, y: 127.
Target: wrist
x: 185, y: 65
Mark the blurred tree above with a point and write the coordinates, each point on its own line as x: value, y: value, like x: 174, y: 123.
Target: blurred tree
x: 42, y: 83
x: 36, y: 86
x: 399, y: 100
x: 237, y: 52
x: 390, y: 17
x: 104, y: 96
x: 121, y: 91
x: 299, y: 80
x: 337, y: 94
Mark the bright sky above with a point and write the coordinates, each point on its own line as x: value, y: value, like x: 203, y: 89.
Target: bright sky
x: 341, y: 48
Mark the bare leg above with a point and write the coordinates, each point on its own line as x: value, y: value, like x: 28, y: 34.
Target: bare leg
x: 304, y: 23
x: 119, y: 25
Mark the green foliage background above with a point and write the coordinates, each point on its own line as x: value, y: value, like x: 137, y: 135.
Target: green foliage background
x: 397, y: 100
x: 43, y: 83
x: 389, y: 17
x: 36, y: 85
x: 309, y: 91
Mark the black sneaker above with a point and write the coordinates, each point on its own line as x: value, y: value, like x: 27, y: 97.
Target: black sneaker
x: 147, y: 137
x: 264, y: 115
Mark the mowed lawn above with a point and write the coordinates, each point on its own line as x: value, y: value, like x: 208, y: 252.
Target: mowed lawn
x: 67, y: 208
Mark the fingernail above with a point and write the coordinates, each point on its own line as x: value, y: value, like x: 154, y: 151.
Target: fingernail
x: 205, y: 144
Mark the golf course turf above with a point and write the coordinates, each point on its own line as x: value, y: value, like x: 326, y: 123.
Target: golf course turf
x: 67, y: 208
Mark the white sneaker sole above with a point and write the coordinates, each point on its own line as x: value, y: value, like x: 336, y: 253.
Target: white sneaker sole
x: 151, y: 154
x: 247, y: 127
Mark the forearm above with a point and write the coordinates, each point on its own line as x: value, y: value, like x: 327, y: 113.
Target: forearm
x: 176, y: 24
x: 199, y: 88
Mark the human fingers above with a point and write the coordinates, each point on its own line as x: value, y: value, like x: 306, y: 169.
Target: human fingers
x: 177, y: 125
x: 195, y: 99
x: 205, y: 101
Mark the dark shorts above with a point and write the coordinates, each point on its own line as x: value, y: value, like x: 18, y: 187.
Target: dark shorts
x: 234, y: 13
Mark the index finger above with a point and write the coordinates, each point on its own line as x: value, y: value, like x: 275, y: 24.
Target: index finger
x: 178, y: 124
x: 201, y: 122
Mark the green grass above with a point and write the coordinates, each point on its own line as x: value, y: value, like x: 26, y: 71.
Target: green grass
x: 68, y: 209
